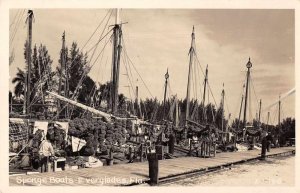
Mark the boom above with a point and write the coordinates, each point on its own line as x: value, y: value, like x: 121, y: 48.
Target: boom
x: 90, y: 109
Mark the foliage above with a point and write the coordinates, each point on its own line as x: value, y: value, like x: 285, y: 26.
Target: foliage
x: 40, y: 79
x: 19, y: 80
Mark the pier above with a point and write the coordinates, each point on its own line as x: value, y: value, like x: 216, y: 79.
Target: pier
x: 138, y: 173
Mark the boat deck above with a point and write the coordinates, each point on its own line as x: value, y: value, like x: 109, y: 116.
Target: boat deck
x: 136, y: 173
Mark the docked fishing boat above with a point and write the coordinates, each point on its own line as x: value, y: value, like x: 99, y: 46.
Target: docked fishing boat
x: 107, y: 134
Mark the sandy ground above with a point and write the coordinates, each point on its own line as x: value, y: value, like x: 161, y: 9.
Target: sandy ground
x: 279, y: 171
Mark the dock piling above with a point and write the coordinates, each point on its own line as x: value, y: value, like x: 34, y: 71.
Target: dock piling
x: 153, y: 168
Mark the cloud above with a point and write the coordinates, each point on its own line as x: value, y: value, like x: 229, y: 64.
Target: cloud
x: 158, y: 39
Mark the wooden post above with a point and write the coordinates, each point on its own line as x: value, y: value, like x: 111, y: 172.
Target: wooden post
x: 209, y: 146
x: 171, y: 144
x: 234, y: 141
x: 141, y: 153
x: 153, y: 168
x: 159, y: 152
x: 190, y: 152
x: 206, y: 148
x: 11, y: 103
x: 134, y: 153
x: 202, y: 149
x: 54, y: 166
x: 111, y: 154
x: 110, y: 160
x: 130, y: 153
x: 214, y: 149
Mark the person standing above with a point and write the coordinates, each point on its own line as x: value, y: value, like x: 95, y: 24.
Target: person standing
x: 263, y: 145
x: 46, y: 151
x: 269, y: 141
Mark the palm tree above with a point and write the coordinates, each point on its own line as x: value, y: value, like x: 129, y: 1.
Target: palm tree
x: 121, y: 101
x: 19, y: 80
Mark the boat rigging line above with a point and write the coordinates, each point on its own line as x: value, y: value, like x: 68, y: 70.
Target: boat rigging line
x: 71, y: 66
x: 130, y: 62
x: 88, y: 67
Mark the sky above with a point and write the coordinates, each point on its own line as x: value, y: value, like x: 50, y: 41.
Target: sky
x: 159, y: 39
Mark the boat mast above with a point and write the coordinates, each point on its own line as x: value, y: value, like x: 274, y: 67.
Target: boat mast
x: 138, y: 110
x: 248, y: 65
x: 268, y: 119
x: 64, y: 64
x: 191, y: 52
x: 165, y: 93
x: 176, y: 112
x: 204, y: 94
x: 238, y: 126
x: 222, y: 105
x: 227, y: 127
x: 28, y: 57
x: 63, y: 69
x: 279, y: 109
x: 259, y: 113
x: 117, y: 36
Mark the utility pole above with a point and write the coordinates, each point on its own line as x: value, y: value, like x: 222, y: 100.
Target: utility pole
x: 165, y: 94
x: 191, y: 52
x: 28, y: 57
x: 248, y: 65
